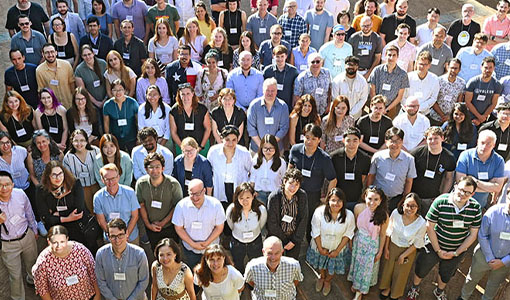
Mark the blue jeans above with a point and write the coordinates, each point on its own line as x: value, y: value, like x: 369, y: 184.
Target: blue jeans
x: 191, y: 258
x: 263, y: 196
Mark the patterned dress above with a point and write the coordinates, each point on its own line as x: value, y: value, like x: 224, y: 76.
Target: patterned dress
x: 175, y: 288
x: 334, y: 139
x: 39, y: 165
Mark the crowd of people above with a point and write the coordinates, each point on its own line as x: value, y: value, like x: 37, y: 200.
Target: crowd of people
x: 230, y: 140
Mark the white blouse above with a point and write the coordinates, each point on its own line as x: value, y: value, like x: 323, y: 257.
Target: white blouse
x: 332, y: 232
x: 197, y: 47
x: 405, y: 236
x: 247, y: 229
x: 227, y: 289
x: 162, y: 126
x: 264, y: 177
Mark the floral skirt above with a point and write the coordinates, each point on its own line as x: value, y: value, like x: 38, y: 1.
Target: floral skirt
x: 363, y: 270
x: 337, y: 265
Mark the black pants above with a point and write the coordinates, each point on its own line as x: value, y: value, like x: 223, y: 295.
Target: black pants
x: 314, y: 200
x: 393, y: 202
x: 167, y: 232
x: 239, y: 250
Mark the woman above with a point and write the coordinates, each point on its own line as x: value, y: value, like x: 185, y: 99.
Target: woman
x: 268, y: 168
x: 219, y: 42
x: 304, y: 112
x: 171, y: 278
x: 194, y: 38
x: 205, y: 22
x: 50, y: 115
x: 83, y: 115
x: 115, y: 69
x: 111, y: 153
x: 156, y: 114
x: 368, y: 244
x: 119, y: 116
x: 335, y: 123
x: 105, y: 19
x: 64, y: 42
x: 246, y: 43
x: 246, y: 217
x: 163, y: 46
x: 227, y: 113
x: 17, y: 118
x: 65, y: 269
x: 190, y: 165
x: 217, y: 276
x: 233, y: 20
x: 406, y: 233
x: 287, y: 214
x: 44, y: 150
x: 230, y: 163
x: 459, y: 132
x: 89, y: 76
x: 80, y: 161
x: 151, y: 75
x: 188, y: 117
x: 344, y: 19
x: 332, y: 229
x: 387, y: 7
x: 210, y: 81
x: 299, y: 57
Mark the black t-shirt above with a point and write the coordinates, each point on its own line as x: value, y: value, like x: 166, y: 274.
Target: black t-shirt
x: 390, y: 23
x: 35, y: 14
x: 197, y: 118
x: 17, y: 79
x: 19, y: 131
x: 344, y: 167
x: 503, y: 138
x: 224, y: 60
x: 456, y: 28
x: 423, y: 185
x: 374, y: 129
x: 135, y: 50
x: 238, y: 118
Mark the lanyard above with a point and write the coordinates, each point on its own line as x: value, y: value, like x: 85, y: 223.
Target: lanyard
x: 17, y: 78
x: 48, y: 119
x: 119, y: 110
x: 437, y: 162
x: 378, y: 130
x: 230, y: 19
x: 345, y: 163
x: 303, y: 161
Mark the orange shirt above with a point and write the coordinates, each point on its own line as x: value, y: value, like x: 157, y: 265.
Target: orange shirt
x: 376, y: 23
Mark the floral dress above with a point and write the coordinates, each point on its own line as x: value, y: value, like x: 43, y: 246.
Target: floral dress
x: 39, y: 165
x: 205, y: 89
x: 334, y: 139
x: 175, y: 288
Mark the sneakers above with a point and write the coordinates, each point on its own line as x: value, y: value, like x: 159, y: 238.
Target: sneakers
x: 413, y: 293
x: 327, y: 288
x: 319, y: 284
x: 42, y: 230
x: 440, y: 295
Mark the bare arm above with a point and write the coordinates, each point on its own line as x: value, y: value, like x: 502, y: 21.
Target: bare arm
x: 106, y: 121
x: 76, y: 51
x: 102, y: 222
x: 407, y: 186
x: 116, y: 23
x: 370, y: 179
x: 215, y: 133
x: 469, y: 103
x: 173, y: 131
x: 207, y: 132
x: 326, y: 36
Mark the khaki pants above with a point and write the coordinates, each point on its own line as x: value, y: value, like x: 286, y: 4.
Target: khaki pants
x: 395, y: 276
x: 88, y: 196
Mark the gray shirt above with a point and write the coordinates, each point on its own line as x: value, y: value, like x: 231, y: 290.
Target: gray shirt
x: 317, y: 26
x: 31, y: 48
x: 365, y: 48
x: 483, y: 92
x: 388, y: 84
x: 391, y: 174
x: 260, y: 27
x: 439, y: 57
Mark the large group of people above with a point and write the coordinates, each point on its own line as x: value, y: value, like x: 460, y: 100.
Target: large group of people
x: 230, y: 140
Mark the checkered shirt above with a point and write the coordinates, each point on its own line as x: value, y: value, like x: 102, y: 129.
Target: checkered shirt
x: 297, y: 25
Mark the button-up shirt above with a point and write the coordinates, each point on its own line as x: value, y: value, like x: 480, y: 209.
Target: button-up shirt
x: 19, y: 214
x: 261, y: 121
x: 494, y: 233
x: 260, y: 27
x: 292, y: 28
x: 425, y: 90
x: 246, y: 88
x: 413, y: 132
x: 318, y: 87
x: 137, y: 12
x: 17, y: 167
x: 139, y: 153
x: 285, y: 80
x: 388, y: 84
x: 301, y: 60
x: 471, y: 62
x: 406, y: 55
x: 58, y: 80
x: 264, y: 177
x: 501, y: 53
x: 355, y: 90
x: 448, y: 94
x: 266, y: 52
x: 402, y: 168
x: 492, y: 26
x: 248, y: 229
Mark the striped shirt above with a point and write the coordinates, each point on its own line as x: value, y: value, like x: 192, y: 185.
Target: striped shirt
x: 17, y: 167
x: 84, y: 171
x: 289, y: 208
x: 453, y: 224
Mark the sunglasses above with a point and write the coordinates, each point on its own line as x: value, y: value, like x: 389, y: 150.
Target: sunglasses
x: 24, y: 24
x: 340, y: 34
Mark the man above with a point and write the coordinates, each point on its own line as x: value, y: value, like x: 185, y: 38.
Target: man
x: 461, y: 32
x: 434, y: 168
x: 373, y: 126
x: 100, y: 43
x: 35, y: 13
x: 452, y: 225
x: 368, y: 52
x: 407, y: 53
x: 148, y: 138
x: 217, y: 6
x: 451, y: 90
x: 392, y: 169
x: 390, y: 81
x: 181, y: 71
x: 162, y: 10
x: 21, y: 78
x: 320, y: 22
x: 501, y: 53
x: 497, y: 26
x: 158, y: 195
x: 492, y: 254
x: 122, y: 269
x: 116, y: 201
x: 285, y: 75
x: 133, y: 11
x: 266, y: 47
x: 485, y: 165
x: 440, y: 52
x: 371, y: 7
x: 424, y: 31
x: 335, y: 52
x: 472, y: 57
x: 413, y: 123
x: 198, y: 221
x: 245, y: 81
x: 132, y: 49
x: 29, y: 41
x: 19, y: 233
x: 482, y: 92
x: 74, y: 23
x: 260, y: 23
x: 293, y: 24
x: 57, y: 74
x: 423, y: 84
x: 273, y: 276
x: 499, y: 127
x: 267, y: 115
x: 51, y: 6
x: 315, y: 81
x: 351, y: 166
x: 353, y: 85
x: 391, y: 22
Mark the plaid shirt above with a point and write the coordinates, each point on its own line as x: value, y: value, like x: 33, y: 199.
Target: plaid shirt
x: 281, y: 281
x: 501, y: 53
x: 318, y: 87
x: 296, y: 25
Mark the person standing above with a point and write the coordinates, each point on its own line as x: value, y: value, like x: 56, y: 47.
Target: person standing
x: 391, y: 22
x: 373, y: 126
x: 21, y: 77
x: 293, y: 24
x: 461, y: 32
x: 320, y: 23
x: 335, y: 52
x: 499, y: 127
x: 133, y: 11
x: 368, y: 52
x: 441, y: 52
x: 33, y: 10
x: 28, y: 41
x: 260, y: 22
x: 131, y: 47
x: 497, y: 26
x: 284, y: 73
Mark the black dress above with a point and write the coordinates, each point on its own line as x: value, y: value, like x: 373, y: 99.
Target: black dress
x: 232, y: 20
x: 54, y: 125
x: 196, y: 118
x: 19, y: 132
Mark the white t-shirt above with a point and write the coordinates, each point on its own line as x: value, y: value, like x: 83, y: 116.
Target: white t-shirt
x: 164, y: 52
x: 111, y: 77
x: 197, y: 47
x: 227, y: 289
x: 405, y: 236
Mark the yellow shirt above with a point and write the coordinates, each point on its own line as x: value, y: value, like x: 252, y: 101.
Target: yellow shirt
x: 206, y: 29
x: 376, y: 23
x: 59, y: 81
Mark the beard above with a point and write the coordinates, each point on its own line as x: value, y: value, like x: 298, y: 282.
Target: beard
x: 350, y: 71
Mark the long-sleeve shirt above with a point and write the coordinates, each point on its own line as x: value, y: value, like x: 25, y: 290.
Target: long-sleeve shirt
x: 246, y: 88
x: 494, y: 234
x: 355, y: 90
x: 19, y: 215
x: 47, y: 205
x: 275, y: 217
x: 262, y: 122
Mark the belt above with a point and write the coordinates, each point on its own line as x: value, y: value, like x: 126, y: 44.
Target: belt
x: 17, y: 239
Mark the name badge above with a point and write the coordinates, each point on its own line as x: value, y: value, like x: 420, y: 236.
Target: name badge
x: 364, y: 52
x: 502, y: 147
x: 233, y: 30
x: 429, y: 174
x: 499, y: 32
x: 435, y: 61
x: 302, y: 67
x: 504, y: 236
x: 288, y: 32
x: 129, y: 17
x: 211, y: 93
x: 62, y: 208
x: 84, y: 174
x: 461, y: 146
x: 25, y: 88
x: 122, y: 122
x: 349, y: 176
x: 95, y: 51
x: 270, y: 293
x: 287, y: 218
x: 458, y: 224
x: 16, y: 174
x: 386, y: 87
x: 418, y: 94
x: 248, y: 235
x: 156, y: 204
x: 72, y: 280
x: 306, y: 173
x: 61, y: 54
x: 125, y: 55
x: 21, y: 132
x: 302, y: 137
x: 480, y: 98
x: 507, y: 61
x: 279, y: 86
x: 319, y: 91
x: 54, y: 82
x: 262, y: 30
x: 15, y: 219
x: 220, y: 63
x: 269, y: 120
x: 483, y: 175
x: 97, y: 83
x: 114, y: 215
x: 189, y: 126
x: 186, y: 182
x: 339, y: 138
x: 119, y: 276
x: 315, y: 27
x: 196, y: 225
x: 473, y: 66
x: 29, y: 50
x: 390, y: 176
x: 374, y: 140
x: 229, y: 178
x: 53, y: 130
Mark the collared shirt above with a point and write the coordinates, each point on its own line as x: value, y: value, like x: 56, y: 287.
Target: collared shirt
x: 406, y: 55
x: 162, y: 125
x: 141, y: 90
x: 136, y: 12
x: 84, y: 171
x: 58, y: 80
x: 502, y: 146
x: 31, y: 48
x: 406, y: 235
x: 246, y: 88
x: 303, y: 6
x: 17, y: 167
x: 266, y: 52
x: 199, y: 223
x: 365, y: 48
x: 317, y: 24
x: 247, y: 229
x: 439, y: 57
x: 285, y: 81
x: 425, y: 90
x: 391, y: 174
x: 448, y: 94
x: 494, y: 234
x: 127, y: 112
x: 424, y: 33
x: 201, y: 169
x: 74, y: 24
x: 471, y: 62
x: 20, y: 215
x: 264, y: 177
x: 133, y: 264
x: 292, y: 28
x: 501, y: 53
x: 350, y: 172
x: 119, y: 206
x: 331, y: 232
x: 388, y: 84
x: 355, y: 90
x: 279, y: 283
x: 413, y: 132
x: 301, y: 60
x: 318, y: 87
x: 125, y: 164
x: 334, y: 57
x: 492, y: 26
x: 319, y: 165
x: 260, y: 27
x: 139, y: 153
x: 261, y: 121
x: 133, y: 53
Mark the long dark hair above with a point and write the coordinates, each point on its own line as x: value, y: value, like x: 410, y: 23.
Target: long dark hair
x: 90, y: 110
x: 108, y: 137
x: 327, y: 211
x: 75, y: 133
x: 148, y: 107
x: 236, y: 214
x: 415, y: 197
x: 97, y: 69
x: 207, y: 18
x: 277, y: 161
x: 69, y: 178
x: 202, y: 270
x: 466, y: 127
x: 253, y: 47
x: 381, y: 212
x: 298, y: 107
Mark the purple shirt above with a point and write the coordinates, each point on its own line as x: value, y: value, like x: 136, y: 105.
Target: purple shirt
x: 19, y: 215
x: 136, y: 13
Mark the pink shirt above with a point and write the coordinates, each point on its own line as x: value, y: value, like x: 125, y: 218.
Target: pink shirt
x: 494, y: 27
x: 363, y: 222
x: 406, y: 54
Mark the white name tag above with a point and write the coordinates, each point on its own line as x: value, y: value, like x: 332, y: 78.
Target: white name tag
x: 507, y: 61
x: 502, y: 147
x: 220, y: 63
x: 211, y: 93
x: 196, y: 225
x: 95, y: 51
x: 435, y: 61
x: 129, y: 18
x: 262, y: 30
x: 119, y: 276
x: 473, y: 67
x: 114, y: 215
x: 386, y: 87
x: 53, y: 130
x: 15, y: 219
x: 84, y: 174
x: 21, y: 132
x: 374, y: 140
x: 156, y: 204
x: 288, y: 33
x: 390, y: 176
x: 364, y: 52
x: 499, y: 32
x: 349, y: 176
x: 125, y: 55
x: 270, y: 293
x: 72, y: 280
x: 319, y: 91
x: 483, y: 175
x: 269, y: 120
x: 233, y: 30
x: 504, y: 236
x: 458, y: 224
x: 97, y: 83
x: 279, y: 87
x: 302, y: 137
x: 25, y: 88
x: 186, y: 182
x: 61, y: 54
x: 315, y: 27
x: 248, y: 235
x: 418, y: 94
x: 461, y: 146
x: 54, y: 82
x: 339, y: 138
x: 306, y: 173
x: 16, y: 174
x: 62, y: 208
x: 122, y: 122
x: 189, y: 126
x: 448, y: 97
x: 29, y: 50
x: 480, y: 98
x: 302, y: 67
x: 429, y: 174
x: 287, y: 218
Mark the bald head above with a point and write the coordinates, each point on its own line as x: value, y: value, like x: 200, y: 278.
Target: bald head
x: 272, y: 241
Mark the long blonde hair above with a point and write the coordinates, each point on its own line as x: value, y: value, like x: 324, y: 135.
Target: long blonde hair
x: 186, y: 35
x: 224, y: 45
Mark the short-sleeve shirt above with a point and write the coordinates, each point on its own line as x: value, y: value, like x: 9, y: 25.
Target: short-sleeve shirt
x: 391, y: 174
x: 260, y: 27
x: 494, y: 27
x: 91, y: 79
x: 136, y: 12
x: 471, y: 62
x: 388, y: 84
x: 501, y: 53
x: 334, y: 57
x: 439, y: 57
x: 16, y: 79
x: 483, y: 92
x: 376, y: 22
x: 170, y: 14
x: 285, y: 81
x: 59, y: 81
x: 413, y: 132
x: 372, y: 129
x: 365, y: 48
x: 352, y: 185
x: 448, y: 94
x: 35, y: 13
x: 133, y: 53
x: 390, y: 24
x: 463, y: 35
x: 128, y: 113
x: 318, y: 87
x: 317, y: 26
x: 502, y: 146
x: 164, y: 52
x: 31, y: 48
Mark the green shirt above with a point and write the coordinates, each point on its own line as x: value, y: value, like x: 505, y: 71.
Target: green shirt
x: 170, y: 13
x: 92, y: 82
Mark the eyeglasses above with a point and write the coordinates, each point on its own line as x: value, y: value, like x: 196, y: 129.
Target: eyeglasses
x: 268, y: 149
x: 411, y: 206
x: 464, y: 192
x: 5, y: 186
x: 117, y: 236
x: 110, y: 179
x: 340, y: 34
x: 57, y: 24
x: 276, y: 33
x: 5, y: 143
x: 316, y: 62
x: 117, y: 90
x: 197, y: 194
x: 58, y: 175
x: 185, y: 85
x: 24, y: 24
x: 366, y: 26
x: 80, y: 98
x: 154, y: 167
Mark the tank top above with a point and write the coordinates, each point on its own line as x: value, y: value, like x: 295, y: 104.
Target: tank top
x: 232, y: 22
x: 66, y: 51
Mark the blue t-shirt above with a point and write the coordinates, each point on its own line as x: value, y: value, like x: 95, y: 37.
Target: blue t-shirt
x: 122, y: 122
x: 103, y: 22
x: 317, y: 26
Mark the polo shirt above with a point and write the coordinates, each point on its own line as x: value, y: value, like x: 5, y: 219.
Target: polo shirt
x: 59, y: 81
x: 471, y: 62
x: 426, y: 90
x: 246, y: 88
x: 494, y: 27
x: 102, y: 45
x: 376, y: 22
x: 334, y: 57
x: 391, y: 174
x: 369, y: 129
x: 136, y: 12
x: 483, y: 92
x: 261, y: 122
x: 31, y: 48
x: 388, y: 84
x: 439, y: 57
x: 502, y: 146
x: 349, y: 172
x: 365, y: 48
x: 285, y: 80
x: 413, y: 133
x: 36, y: 14
x: 16, y: 79
x: 317, y: 25
x: 266, y: 52
x: 292, y: 28
x: 318, y: 87
x: 501, y: 52
x: 390, y: 24
x: 133, y: 53
x: 139, y: 153
x: 462, y: 35
x: 260, y: 27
